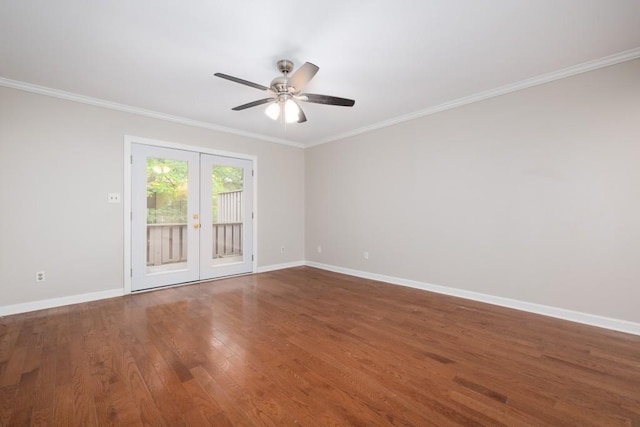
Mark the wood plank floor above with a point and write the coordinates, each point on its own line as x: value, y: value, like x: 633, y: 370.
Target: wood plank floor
x: 307, y: 347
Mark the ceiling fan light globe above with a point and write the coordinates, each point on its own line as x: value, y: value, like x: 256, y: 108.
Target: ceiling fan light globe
x: 273, y: 111
x: 291, y: 111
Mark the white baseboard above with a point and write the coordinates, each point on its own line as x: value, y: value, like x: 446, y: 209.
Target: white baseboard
x: 545, y: 310
x: 274, y: 267
x: 59, y: 302
x: 95, y: 296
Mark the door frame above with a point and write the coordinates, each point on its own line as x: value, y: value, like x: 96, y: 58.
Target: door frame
x: 127, y: 205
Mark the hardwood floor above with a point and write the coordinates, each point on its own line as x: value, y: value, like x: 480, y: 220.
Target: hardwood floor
x: 307, y: 347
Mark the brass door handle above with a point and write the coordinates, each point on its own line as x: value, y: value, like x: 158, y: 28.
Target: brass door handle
x: 196, y: 225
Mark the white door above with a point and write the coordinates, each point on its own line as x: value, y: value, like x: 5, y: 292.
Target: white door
x: 191, y: 217
x: 226, y: 214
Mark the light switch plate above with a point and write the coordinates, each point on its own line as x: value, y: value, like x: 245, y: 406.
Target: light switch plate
x: 113, y: 197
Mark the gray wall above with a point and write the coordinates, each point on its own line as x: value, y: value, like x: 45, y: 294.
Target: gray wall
x: 58, y: 161
x: 533, y: 195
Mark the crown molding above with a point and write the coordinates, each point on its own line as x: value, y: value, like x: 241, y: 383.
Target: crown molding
x: 617, y: 58
x: 42, y: 90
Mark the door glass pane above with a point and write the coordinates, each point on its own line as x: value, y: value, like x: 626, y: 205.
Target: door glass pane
x: 227, y: 214
x: 167, y: 191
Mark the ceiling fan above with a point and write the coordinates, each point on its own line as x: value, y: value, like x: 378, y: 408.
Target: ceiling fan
x: 285, y: 91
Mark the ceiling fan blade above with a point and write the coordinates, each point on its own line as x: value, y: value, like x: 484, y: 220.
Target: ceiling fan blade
x: 302, y: 76
x: 241, y: 81
x: 252, y: 104
x: 326, y: 99
x: 301, y: 116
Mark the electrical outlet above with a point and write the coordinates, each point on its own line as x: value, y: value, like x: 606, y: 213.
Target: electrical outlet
x: 40, y: 277
x: 113, y: 197
x: 281, y: 249
x: 366, y: 255
x: 319, y: 249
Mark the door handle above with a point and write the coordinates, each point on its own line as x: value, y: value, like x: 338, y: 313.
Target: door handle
x: 196, y: 225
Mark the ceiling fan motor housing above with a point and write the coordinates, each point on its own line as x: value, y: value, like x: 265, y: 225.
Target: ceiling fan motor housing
x: 279, y: 85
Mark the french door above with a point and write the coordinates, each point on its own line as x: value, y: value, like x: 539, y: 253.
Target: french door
x: 192, y: 216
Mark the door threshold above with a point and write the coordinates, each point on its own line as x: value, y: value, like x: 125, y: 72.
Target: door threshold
x: 195, y: 282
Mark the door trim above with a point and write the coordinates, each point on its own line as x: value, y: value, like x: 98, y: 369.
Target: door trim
x: 127, y: 205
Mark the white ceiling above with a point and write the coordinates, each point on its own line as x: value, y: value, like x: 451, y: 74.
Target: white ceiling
x: 398, y: 59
